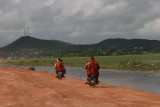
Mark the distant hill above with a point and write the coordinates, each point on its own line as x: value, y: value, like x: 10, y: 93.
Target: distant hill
x: 27, y: 42
x: 27, y: 46
x: 129, y: 44
x: 30, y: 46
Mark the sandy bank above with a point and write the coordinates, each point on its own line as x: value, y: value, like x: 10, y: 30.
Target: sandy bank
x: 26, y: 88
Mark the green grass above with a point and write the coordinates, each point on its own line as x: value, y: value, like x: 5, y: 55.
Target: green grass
x: 125, y: 62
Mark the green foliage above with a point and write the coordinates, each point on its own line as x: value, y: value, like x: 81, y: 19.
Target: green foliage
x: 138, y: 65
x: 29, y: 47
x: 125, y: 62
x: 33, y: 62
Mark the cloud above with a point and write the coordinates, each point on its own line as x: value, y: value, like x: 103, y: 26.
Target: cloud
x: 79, y: 21
x: 150, y: 28
x: 150, y: 22
x: 77, y: 32
x: 49, y: 2
x: 16, y: 1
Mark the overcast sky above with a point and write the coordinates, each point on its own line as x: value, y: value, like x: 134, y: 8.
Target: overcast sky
x: 79, y: 21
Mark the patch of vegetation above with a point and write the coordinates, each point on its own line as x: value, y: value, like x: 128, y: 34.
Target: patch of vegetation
x: 124, y: 62
x: 134, y: 65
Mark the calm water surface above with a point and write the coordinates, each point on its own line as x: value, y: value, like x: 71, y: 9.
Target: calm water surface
x: 149, y: 82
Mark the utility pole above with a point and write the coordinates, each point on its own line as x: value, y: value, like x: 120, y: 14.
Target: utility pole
x: 28, y: 31
x: 24, y: 32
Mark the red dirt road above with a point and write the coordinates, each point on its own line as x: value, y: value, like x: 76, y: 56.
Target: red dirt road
x: 26, y: 88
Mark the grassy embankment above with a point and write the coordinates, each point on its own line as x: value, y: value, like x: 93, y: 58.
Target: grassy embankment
x: 144, y: 62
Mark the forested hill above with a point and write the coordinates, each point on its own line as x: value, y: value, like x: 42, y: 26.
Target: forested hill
x: 27, y: 42
x: 130, y: 44
x: 29, y: 46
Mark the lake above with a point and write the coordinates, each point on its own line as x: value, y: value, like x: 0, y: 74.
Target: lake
x: 145, y: 81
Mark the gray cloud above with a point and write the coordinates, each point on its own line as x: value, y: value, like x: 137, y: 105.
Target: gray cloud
x: 79, y: 21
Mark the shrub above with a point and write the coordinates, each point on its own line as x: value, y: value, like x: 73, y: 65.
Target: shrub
x: 138, y: 65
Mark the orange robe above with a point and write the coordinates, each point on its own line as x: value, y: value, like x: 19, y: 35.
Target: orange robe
x: 93, y: 67
x: 59, y: 67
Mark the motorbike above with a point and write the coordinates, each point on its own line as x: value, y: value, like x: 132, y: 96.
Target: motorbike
x: 92, y: 80
x: 60, y: 75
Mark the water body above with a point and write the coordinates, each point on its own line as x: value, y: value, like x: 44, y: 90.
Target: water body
x: 149, y: 82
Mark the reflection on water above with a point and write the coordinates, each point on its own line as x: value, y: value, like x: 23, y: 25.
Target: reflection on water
x: 138, y: 80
